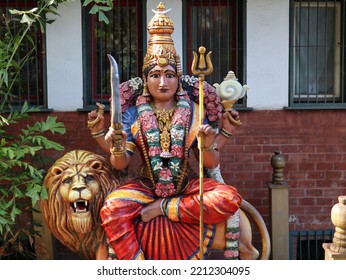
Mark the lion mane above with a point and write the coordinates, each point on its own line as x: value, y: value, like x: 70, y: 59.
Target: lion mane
x: 77, y: 185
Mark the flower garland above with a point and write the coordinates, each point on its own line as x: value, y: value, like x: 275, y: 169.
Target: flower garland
x: 164, y: 186
x: 232, y: 237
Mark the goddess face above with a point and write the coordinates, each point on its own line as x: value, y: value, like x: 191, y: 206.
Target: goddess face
x: 162, y: 83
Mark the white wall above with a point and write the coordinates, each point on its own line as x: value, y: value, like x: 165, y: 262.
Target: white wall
x: 64, y: 59
x: 267, y: 53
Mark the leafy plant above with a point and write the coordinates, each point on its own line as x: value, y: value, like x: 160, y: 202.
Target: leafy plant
x: 21, y: 161
x: 22, y: 164
x: 100, y: 7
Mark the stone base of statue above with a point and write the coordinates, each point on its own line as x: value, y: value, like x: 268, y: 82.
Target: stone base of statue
x: 329, y: 254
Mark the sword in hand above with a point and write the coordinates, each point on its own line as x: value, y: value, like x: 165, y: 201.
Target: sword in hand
x: 117, y: 143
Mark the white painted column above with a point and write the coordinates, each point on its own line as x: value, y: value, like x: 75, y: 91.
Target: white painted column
x: 267, y: 53
x: 64, y: 59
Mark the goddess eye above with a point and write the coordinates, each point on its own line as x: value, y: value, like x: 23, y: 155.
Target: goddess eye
x: 170, y: 75
x: 154, y: 75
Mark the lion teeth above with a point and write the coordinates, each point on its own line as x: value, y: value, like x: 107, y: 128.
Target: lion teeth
x: 80, y: 206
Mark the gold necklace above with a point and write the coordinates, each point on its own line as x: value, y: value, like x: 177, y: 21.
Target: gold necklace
x: 164, y: 117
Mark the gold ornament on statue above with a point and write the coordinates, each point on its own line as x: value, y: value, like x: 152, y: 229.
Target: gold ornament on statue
x: 161, y: 50
x: 164, y: 122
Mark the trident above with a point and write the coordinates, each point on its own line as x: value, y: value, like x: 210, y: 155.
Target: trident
x: 204, y: 68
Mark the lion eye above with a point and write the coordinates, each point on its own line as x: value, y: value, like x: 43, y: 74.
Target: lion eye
x: 89, y: 178
x: 67, y: 181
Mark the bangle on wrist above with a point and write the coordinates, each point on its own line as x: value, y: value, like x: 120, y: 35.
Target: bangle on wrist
x: 98, y: 134
x: 118, y: 154
x: 162, y: 206
x: 212, y: 147
x: 225, y: 133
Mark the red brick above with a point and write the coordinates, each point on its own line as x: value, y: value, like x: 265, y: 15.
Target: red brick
x: 314, y: 192
x: 252, y: 149
x: 334, y: 175
x: 297, y: 175
x: 338, y: 166
x: 328, y: 166
x: 334, y: 157
x: 294, y: 192
x: 307, y: 166
x: 316, y: 175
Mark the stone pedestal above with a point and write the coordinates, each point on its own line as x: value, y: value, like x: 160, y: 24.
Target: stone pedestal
x: 337, y: 249
x: 330, y: 254
x: 279, y: 209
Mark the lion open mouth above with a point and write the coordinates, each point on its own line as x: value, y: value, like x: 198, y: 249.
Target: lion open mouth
x: 80, y: 206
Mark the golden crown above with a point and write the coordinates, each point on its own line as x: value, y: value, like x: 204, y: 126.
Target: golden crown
x: 161, y: 50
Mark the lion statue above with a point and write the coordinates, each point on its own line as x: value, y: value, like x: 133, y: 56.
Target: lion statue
x: 77, y: 186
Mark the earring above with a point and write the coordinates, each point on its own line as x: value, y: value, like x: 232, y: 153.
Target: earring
x: 145, y: 91
x: 180, y: 91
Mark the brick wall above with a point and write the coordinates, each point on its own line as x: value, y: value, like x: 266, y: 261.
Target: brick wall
x: 312, y: 141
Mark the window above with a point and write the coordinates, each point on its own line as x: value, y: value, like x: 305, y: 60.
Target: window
x: 30, y: 85
x: 317, y: 53
x: 122, y: 38
x: 219, y: 26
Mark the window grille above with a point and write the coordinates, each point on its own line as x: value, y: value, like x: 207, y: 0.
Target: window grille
x: 317, y: 53
x: 307, y: 244
x: 122, y: 38
x: 219, y: 26
x: 30, y: 85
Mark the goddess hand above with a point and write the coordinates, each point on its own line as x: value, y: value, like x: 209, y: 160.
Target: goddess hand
x: 209, y: 134
x: 116, y: 139
x: 227, y: 124
x: 96, y: 120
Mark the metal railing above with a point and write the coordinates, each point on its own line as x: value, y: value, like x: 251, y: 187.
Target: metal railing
x: 317, y: 53
x: 307, y: 244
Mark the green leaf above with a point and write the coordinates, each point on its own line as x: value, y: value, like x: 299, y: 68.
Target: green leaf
x: 14, y: 213
x: 26, y: 19
x: 102, y: 17
x: 87, y: 2
x: 31, y: 170
x: 51, y: 125
x: 10, y: 153
x: 25, y: 108
x: 33, y: 150
x: 48, y: 144
x: 104, y: 8
x: 33, y: 193
x: 3, y: 221
x: 18, y: 193
x: 94, y: 9
x: 44, y: 193
x: 9, y: 203
x: 33, y: 10
x: 4, y: 76
x: 51, y: 11
x: 16, y: 12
